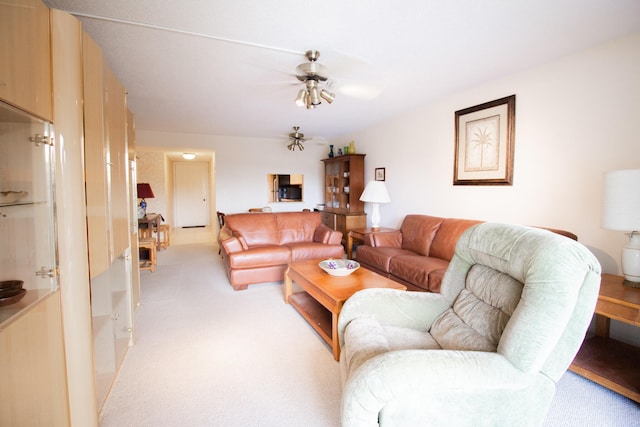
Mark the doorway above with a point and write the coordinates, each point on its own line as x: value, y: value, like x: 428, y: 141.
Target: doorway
x: 191, y: 194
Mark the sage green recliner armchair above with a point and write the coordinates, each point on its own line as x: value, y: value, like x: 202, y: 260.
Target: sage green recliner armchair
x: 514, y: 307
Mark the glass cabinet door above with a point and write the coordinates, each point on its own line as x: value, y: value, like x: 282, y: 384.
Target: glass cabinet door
x: 28, y: 259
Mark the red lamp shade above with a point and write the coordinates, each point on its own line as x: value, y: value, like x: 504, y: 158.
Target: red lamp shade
x: 145, y: 191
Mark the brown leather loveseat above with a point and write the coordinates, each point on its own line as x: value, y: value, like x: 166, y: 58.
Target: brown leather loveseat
x: 418, y: 254
x: 257, y: 247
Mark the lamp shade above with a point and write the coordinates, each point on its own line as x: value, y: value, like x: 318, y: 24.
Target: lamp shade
x: 375, y: 192
x: 145, y: 191
x: 621, y: 200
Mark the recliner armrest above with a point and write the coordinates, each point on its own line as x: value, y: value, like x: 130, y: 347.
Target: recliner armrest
x: 392, y: 307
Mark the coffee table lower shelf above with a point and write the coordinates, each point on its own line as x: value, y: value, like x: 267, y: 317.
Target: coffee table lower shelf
x: 314, y: 313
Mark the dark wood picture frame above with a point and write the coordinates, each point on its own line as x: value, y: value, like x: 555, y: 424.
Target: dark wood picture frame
x: 484, y: 143
x: 380, y: 174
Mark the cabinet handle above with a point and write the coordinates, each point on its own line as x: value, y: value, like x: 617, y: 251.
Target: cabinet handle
x: 38, y: 139
x: 46, y: 273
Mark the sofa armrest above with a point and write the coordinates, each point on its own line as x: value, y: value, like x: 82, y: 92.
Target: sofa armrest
x: 324, y: 234
x: 384, y: 238
x: 231, y: 245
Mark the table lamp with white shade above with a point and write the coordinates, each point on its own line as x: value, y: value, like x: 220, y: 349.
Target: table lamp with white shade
x: 375, y: 192
x: 621, y: 211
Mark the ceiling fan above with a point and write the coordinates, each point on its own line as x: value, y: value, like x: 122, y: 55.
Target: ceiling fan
x: 311, y: 74
x: 296, y: 139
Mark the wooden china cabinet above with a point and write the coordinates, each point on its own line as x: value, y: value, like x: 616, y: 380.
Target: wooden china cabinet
x: 343, y: 185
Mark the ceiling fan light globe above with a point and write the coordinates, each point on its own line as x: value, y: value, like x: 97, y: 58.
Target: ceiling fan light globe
x: 314, y: 97
x: 327, y: 96
x: 301, y: 99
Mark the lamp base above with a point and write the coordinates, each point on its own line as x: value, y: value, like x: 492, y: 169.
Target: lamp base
x: 631, y: 259
x: 631, y: 284
x: 142, y: 209
x: 375, y: 216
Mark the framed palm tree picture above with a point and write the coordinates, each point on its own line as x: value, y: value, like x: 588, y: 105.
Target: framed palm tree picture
x: 484, y: 141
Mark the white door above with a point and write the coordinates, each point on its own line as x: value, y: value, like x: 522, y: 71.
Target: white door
x: 191, y: 194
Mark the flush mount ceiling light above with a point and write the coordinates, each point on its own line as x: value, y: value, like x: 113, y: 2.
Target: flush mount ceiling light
x: 188, y: 156
x: 311, y: 73
x: 296, y: 139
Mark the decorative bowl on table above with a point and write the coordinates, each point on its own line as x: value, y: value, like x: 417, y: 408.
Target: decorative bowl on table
x: 339, y: 267
x: 11, y: 292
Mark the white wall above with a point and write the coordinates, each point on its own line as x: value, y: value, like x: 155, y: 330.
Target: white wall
x: 575, y: 119
x: 242, y: 166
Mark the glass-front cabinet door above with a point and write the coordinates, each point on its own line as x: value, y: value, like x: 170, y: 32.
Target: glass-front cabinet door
x: 28, y: 258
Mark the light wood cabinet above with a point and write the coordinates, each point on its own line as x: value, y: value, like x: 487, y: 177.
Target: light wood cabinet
x: 33, y: 382
x: 296, y: 179
x: 115, y: 120
x: 343, y: 185
x: 133, y: 207
x: 108, y: 216
x: 25, y: 67
x: 66, y: 65
x: 32, y: 372
x: 95, y: 157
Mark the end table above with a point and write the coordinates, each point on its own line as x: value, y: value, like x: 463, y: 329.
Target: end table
x: 359, y: 234
x: 608, y: 362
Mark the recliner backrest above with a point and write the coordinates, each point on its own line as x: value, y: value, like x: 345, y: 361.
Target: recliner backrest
x: 480, y: 313
x: 559, y: 281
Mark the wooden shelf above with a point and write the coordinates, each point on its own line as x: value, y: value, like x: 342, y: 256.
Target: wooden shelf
x: 610, y: 363
x: 315, y: 314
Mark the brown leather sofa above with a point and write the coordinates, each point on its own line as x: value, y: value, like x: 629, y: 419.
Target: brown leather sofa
x: 418, y: 254
x: 257, y: 247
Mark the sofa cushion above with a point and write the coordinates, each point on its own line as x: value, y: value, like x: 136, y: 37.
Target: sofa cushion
x: 444, y: 242
x: 379, y: 257
x: 418, y: 232
x: 260, y: 256
x: 297, y: 226
x: 301, y: 251
x: 255, y: 228
x: 415, y: 269
x: 480, y: 312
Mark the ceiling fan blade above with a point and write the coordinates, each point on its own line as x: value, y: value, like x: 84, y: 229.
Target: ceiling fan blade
x: 355, y: 89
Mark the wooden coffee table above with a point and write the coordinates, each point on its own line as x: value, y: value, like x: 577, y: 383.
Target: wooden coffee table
x: 323, y: 295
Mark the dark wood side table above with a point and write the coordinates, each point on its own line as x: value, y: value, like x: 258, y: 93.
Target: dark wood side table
x: 610, y: 363
x: 359, y: 234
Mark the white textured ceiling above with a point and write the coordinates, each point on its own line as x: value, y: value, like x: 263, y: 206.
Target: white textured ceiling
x: 226, y: 67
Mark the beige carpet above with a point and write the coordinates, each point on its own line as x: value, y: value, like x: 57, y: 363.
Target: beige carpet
x: 206, y: 355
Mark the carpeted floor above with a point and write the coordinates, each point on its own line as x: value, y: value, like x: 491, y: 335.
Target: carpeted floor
x: 206, y: 355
